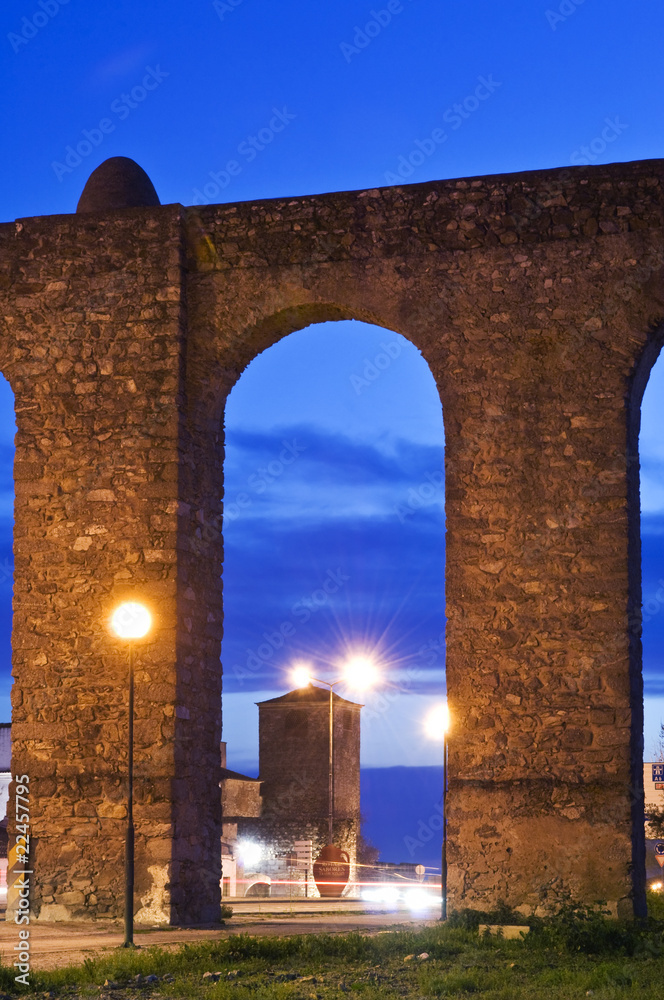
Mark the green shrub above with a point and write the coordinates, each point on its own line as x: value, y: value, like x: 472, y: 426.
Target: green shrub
x: 578, y: 927
x: 655, y: 905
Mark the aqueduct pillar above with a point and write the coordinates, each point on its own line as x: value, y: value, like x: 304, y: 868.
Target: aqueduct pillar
x: 535, y: 299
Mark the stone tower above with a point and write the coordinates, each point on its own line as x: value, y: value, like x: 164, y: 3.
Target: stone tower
x: 294, y: 762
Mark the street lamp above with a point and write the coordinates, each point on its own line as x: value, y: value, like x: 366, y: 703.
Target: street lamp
x: 130, y: 621
x: 361, y: 673
x: 437, y: 724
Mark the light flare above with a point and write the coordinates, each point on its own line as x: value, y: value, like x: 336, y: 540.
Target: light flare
x: 251, y: 853
x: 131, y: 620
x: 437, y: 722
x: 301, y: 676
x: 361, y: 672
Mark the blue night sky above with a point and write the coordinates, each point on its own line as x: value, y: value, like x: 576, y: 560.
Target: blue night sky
x: 335, y: 514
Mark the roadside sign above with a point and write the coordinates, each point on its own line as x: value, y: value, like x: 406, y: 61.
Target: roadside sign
x: 659, y: 854
x: 303, y: 849
x: 658, y: 772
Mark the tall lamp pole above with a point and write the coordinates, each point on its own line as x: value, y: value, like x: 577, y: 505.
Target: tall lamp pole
x: 130, y: 621
x: 437, y: 725
x: 129, y: 837
x: 443, y: 865
x: 330, y: 776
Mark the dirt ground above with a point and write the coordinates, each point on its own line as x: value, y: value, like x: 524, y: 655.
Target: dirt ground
x: 55, y: 945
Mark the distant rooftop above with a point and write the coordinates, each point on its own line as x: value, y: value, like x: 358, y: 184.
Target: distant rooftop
x: 235, y: 775
x: 307, y: 696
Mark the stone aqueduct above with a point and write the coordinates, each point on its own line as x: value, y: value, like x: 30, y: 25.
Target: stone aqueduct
x: 537, y: 300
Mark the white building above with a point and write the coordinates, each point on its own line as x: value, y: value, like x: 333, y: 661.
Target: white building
x: 5, y: 778
x: 653, y: 784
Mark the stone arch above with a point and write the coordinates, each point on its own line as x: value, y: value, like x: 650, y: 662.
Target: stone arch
x: 275, y: 317
x: 520, y: 306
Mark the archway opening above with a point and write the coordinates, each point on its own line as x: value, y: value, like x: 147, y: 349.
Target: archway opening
x: 7, y: 432
x: 334, y: 548
x: 651, y: 454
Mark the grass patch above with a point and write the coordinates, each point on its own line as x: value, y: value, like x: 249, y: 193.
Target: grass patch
x: 565, y: 957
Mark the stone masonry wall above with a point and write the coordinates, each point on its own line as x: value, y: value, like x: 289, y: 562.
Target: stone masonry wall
x: 93, y: 347
x: 537, y: 301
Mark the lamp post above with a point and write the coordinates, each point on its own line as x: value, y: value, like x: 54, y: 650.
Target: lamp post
x: 360, y: 672
x: 130, y: 621
x: 437, y: 725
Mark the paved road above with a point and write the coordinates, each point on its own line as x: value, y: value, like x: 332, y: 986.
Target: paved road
x: 281, y: 904
x: 54, y: 945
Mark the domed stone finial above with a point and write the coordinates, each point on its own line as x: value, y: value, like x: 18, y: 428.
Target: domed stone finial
x: 117, y: 183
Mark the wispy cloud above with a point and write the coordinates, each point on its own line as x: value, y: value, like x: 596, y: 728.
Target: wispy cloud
x: 318, y: 476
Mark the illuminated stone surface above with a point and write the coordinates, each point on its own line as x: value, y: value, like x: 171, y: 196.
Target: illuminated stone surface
x: 537, y: 300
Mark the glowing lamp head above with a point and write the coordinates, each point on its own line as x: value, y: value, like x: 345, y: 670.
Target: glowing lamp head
x: 131, y: 620
x: 361, y: 672
x: 437, y: 722
x: 301, y: 676
x: 657, y: 886
x: 251, y: 854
